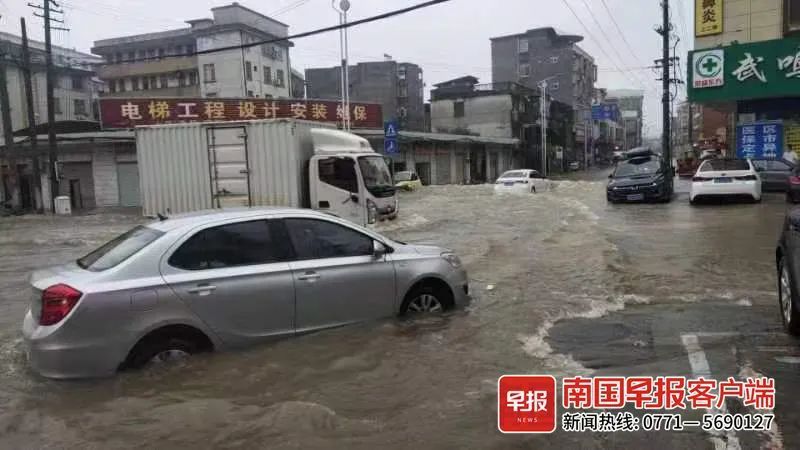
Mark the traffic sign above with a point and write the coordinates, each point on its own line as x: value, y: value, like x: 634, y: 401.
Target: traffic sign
x: 390, y: 146
x: 390, y: 129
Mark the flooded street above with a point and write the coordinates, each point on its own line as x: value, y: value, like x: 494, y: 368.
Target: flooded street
x: 544, y: 269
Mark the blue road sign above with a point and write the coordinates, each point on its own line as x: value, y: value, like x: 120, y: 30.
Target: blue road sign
x: 390, y: 129
x: 605, y: 111
x: 390, y: 146
x: 759, y: 140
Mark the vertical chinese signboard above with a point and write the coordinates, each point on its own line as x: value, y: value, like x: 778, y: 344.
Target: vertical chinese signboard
x: 766, y: 69
x: 707, y: 17
x: 759, y: 140
x: 792, y: 131
x: 129, y: 113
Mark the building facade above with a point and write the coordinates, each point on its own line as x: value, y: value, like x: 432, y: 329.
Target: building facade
x: 545, y: 54
x: 398, y: 87
x: 631, y: 107
x: 743, y: 74
x: 76, y: 88
x: 166, y: 64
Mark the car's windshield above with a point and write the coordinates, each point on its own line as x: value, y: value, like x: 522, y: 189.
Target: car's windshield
x: 119, y: 249
x: 638, y: 166
x: 377, y: 178
x: 513, y: 174
x: 714, y: 165
x: 402, y: 176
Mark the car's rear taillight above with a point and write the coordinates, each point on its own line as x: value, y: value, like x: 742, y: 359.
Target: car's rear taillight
x: 747, y: 178
x: 794, y: 180
x: 521, y: 181
x: 57, y: 302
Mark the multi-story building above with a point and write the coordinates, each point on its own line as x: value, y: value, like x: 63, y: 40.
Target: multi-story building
x: 398, y: 87
x: 545, y: 54
x: 167, y: 64
x: 631, y: 107
x: 75, y: 89
x: 743, y: 75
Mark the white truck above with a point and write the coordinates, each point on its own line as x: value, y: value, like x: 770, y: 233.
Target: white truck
x: 196, y: 166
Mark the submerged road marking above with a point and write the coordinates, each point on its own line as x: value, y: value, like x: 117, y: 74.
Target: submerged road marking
x: 700, y: 368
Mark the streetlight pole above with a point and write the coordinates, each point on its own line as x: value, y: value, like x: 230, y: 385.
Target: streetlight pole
x: 344, y: 6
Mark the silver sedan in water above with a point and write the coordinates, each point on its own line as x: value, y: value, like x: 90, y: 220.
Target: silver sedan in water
x: 226, y: 279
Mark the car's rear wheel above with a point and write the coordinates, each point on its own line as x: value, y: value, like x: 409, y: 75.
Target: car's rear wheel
x: 787, y: 299
x: 161, y: 351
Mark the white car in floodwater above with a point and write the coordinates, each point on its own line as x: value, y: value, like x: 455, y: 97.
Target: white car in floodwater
x: 521, y: 181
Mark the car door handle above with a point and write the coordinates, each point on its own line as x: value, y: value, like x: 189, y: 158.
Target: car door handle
x: 309, y: 276
x: 202, y: 289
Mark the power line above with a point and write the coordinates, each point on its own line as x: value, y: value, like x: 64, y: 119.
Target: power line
x: 295, y: 36
x: 288, y: 8
x: 589, y: 33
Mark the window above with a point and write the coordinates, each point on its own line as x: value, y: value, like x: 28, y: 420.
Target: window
x: 112, y: 86
x: 79, y: 106
x: 151, y: 53
x: 792, y: 15
x: 318, y: 239
x: 56, y: 82
x: 163, y: 81
x: 279, y: 78
x: 403, y: 91
x: 181, y: 79
x: 153, y: 84
x: 524, y: 70
x: 523, y: 46
x: 121, y: 83
x: 778, y: 166
x: 211, y: 94
x: 401, y: 73
x: 339, y: 172
x: 713, y: 165
x: 192, y: 78
x: 234, y: 245
x: 77, y: 83
x: 555, y: 85
x: 209, y: 73
x: 277, y: 53
x: 267, y: 75
x: 248, y: 71
x: 118, y: 57
x: 145, y: 83
x: 250, y: 94
x: 57, y: 105
x: 554, y: 60
x: 131, y: 56
x: 119, y: 249
x: 135, y: 83
x: 458, y: 108
x: 161, y: 52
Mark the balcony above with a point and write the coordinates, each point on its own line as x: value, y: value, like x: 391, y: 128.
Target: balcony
x: 156, y: 66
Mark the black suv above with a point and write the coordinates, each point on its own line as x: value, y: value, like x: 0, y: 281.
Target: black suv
x: 643, y: 176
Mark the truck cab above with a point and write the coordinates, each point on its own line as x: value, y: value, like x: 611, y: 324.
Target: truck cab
x: 349, y: 179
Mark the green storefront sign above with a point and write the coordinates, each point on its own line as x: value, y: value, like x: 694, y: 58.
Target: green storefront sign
x: 767, y: 69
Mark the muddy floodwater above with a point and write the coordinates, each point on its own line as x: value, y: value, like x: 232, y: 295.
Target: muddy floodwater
x: 533, y: 261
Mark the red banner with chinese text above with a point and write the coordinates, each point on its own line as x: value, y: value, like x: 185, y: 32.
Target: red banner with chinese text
x: 131, y: 112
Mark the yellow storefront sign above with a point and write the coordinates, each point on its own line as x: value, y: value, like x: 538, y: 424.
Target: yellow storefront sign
x: 707, y: 17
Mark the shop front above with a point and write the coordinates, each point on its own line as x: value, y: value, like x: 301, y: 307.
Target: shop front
x: 760, y: 81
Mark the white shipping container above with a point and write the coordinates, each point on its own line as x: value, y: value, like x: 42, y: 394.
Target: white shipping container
x: 196, y: 166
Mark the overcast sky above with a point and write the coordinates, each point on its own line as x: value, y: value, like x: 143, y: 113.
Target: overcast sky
x: 447, y: 40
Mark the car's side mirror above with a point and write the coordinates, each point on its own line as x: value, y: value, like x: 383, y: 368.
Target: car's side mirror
x: 379, y: 250
x: 354, y: 198
x: 611, y: 175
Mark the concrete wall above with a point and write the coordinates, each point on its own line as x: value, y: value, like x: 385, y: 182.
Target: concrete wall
x: 488, y: 116
x: 235, y: 14
x: 747, y: 21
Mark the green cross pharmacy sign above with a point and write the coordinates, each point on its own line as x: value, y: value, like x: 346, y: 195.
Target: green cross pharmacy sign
x: 767, y: 69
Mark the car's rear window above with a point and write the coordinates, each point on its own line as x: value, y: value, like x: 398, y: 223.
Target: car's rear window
x: 513, y: 175
x: 713, y: 165
x: 119, y: 249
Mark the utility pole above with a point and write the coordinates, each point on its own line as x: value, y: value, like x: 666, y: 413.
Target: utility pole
x: 51, y: 112
x: 666, y: 27
x: 27, y: 74
x: 543, y: 119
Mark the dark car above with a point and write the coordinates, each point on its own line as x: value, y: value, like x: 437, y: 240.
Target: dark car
x: 774, y: 173
x: 793, y: 186
x: 644, y: 176
x: 787, y: 260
